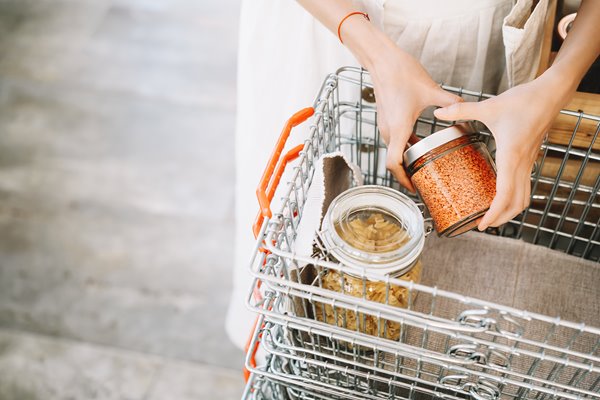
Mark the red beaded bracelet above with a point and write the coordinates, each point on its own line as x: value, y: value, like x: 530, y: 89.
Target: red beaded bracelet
x: 348, y: 16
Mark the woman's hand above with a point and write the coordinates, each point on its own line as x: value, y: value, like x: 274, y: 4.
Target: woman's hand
x: 403, y: 89
x: 519, y: 119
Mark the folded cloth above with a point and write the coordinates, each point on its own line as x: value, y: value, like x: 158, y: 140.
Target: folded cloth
x: 334, y: 174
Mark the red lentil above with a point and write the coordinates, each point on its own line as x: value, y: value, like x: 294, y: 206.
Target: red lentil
x: 458, y: 186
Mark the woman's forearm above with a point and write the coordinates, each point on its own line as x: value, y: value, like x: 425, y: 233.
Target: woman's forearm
x: 329, y: 12
x: 580, y: 48
x: 402, y: 86
x: 364, y: 40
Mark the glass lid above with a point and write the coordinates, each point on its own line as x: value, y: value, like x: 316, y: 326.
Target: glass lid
x: 374, y: 227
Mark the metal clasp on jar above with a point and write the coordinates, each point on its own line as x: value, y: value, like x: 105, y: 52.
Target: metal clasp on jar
x: 427, y: 221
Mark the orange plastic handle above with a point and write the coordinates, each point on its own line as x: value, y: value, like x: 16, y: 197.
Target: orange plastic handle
x: 275, y: 167
x: 247, y: 348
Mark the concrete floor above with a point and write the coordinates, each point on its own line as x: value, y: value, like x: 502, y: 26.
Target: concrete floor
x: 116, y: 199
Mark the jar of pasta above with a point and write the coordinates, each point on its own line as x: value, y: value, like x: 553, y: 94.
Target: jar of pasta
x: 455, y: 176
x: 375, y: 229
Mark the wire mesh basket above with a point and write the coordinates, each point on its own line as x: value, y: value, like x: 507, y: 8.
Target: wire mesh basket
x: 296, y: 373
x: 324, y: 343
x: 330, y: 361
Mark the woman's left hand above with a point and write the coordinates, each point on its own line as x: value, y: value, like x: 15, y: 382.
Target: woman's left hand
x: 518, y: 119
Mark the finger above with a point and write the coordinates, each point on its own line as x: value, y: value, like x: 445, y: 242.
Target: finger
x: 522, y: 195
x: 518, y: 200
x: 497, y: 207
x: 383, y: 127
x: 526, y: 191
x: 511, y: 211
x: 504, y: 193
x: 524, y: 198
x: 394, y: 163
x: 458, y: 111
x: 442, y: 98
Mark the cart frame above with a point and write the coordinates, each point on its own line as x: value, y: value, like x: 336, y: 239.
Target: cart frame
x: 450, y: 346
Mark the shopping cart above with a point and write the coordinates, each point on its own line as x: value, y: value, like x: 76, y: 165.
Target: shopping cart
x: 450, y: 346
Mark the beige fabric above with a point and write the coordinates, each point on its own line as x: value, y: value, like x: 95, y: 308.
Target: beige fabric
x: 488, y: 45
x: 459, y: 42
x: 514, y: 273
x: 523, y: 32
x: 334, y: 174
x: 499, y: 270
x: 504, y: 271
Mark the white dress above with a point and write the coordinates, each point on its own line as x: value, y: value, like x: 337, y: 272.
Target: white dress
x: 285, y: 54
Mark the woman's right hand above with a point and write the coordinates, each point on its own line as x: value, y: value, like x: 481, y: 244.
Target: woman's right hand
x: 403, y: 89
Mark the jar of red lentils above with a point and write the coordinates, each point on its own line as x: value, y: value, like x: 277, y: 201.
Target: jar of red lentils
x: 455, y: 176
x: 376, y: 229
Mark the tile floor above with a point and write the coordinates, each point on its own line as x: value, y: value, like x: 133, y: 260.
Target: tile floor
x: 116, y: 199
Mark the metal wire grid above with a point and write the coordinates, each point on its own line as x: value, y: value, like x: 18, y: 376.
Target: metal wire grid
x: 269, y: 386
x: 340, y: 370
x: 564, y: 213
x: 557, y: 342
x: 335, y: 379
x: 263, y: 388
x: 526, y: 354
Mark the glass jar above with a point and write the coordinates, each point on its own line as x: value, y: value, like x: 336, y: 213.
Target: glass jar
x: 375, y: 229
x: 456, y: 177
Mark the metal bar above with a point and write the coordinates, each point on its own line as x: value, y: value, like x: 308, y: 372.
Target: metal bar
x: 541, y: 385
x: 556, y: 180
x: 375, y: 342
x: 576, y: 182
x: 421, y: 288
x: 590, y: 241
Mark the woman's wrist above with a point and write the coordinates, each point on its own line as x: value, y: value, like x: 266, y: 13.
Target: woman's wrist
x: 365, y: 41
x: 561, y: 83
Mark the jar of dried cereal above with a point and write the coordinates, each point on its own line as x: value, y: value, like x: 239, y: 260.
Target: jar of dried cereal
x: 453, y: 172
x: 375, y: 229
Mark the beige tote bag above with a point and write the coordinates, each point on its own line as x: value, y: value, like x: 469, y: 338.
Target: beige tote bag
x: 523, y: 35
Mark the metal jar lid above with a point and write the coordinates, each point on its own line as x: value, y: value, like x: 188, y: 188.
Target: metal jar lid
x: 435, y: 140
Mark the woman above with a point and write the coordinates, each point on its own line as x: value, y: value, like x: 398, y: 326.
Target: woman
x: 407, y: 48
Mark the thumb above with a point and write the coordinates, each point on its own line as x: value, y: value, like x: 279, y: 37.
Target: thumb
x: 458, y: 111
x: 442, y: 98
